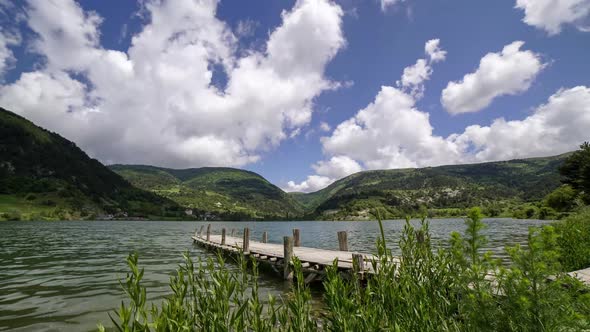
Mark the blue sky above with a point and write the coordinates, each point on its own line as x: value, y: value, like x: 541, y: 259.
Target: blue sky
x: 277, y: 87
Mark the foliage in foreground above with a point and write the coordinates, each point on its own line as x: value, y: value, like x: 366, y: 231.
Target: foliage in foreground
x: 425, y: 290
x: 574, y: 240
x: 576, y: 170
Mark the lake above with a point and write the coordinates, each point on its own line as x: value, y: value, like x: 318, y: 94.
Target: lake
x: 63, y: 276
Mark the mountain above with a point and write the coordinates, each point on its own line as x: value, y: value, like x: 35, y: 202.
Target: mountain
x: 444, y: 190
x: 233, y: 193
x: 45, y: 176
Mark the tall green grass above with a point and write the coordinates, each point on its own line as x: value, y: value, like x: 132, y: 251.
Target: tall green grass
x: 425, y: 289
x: 574, y: 240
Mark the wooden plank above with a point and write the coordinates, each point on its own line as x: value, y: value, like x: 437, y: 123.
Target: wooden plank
x: 313, y: 256
x: 582, y: 275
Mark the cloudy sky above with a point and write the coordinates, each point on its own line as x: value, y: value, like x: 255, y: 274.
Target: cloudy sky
x: 303, y: 92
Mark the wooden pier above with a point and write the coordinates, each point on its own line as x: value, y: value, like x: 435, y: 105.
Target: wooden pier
x: 313, y: 260
x: 582, y: 275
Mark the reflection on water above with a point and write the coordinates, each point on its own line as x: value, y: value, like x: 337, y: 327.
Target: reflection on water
x: 62, y: 276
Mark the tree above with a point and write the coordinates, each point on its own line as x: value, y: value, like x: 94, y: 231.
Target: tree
x: 561, y: 199
x: 576, y: 171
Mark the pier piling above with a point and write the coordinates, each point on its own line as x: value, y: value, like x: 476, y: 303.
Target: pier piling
x: 246, y: 240
x: 296, y: 238
x: 342, y: 241
x: 287, y: 256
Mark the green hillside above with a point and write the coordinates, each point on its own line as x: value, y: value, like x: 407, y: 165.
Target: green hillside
x: 45, y: 176
x: 234, y: 193
x: 444, y: 190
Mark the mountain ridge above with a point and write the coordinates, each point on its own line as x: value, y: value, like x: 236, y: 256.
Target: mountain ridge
x: 45, y: 176
x: 513, y: 181
x: 43, y: 173
x: 215, y: 189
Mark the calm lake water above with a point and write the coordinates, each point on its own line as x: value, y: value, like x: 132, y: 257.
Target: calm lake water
x: 63, y: 276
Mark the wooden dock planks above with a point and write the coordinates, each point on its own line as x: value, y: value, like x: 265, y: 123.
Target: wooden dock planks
x: 314, y: 260
x: 582, y: 275
x: 307, y: 255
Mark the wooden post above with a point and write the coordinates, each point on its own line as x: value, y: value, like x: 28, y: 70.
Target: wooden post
x: 223, y: 236
x: 288, y: 255
x: 246, y: 240
x: 264, y: 237
x: 208, y: 232
x: 201, y: 230
x: 342, y: 241
x: 296, y: 238
x: 233, y: 230
x: 358, y: 263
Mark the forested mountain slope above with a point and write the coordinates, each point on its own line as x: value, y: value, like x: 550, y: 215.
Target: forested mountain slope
x: 45, y: 176
x: 493, y: 185
x: 219, y: 190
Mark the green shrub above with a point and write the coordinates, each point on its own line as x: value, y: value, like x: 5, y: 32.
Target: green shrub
x: 561, y: 199
x: 529, y: 301
x: 574, y: 240
x: 546, y: 213
x: 525, y: 212
x: 12, y: 215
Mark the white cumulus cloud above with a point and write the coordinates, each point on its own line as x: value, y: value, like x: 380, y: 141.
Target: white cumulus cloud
x: 432, y: 48
x: 557, y: 126
x: 156, y: 101
x: 8, y: 37
x: 312, y: 183
x: 7, y: 58
x: 414, y: 76
x: 391, y: 132
x: 508, y: 72
x: 388, y: 133
x: 552, y: 15
x: 337, y: 167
